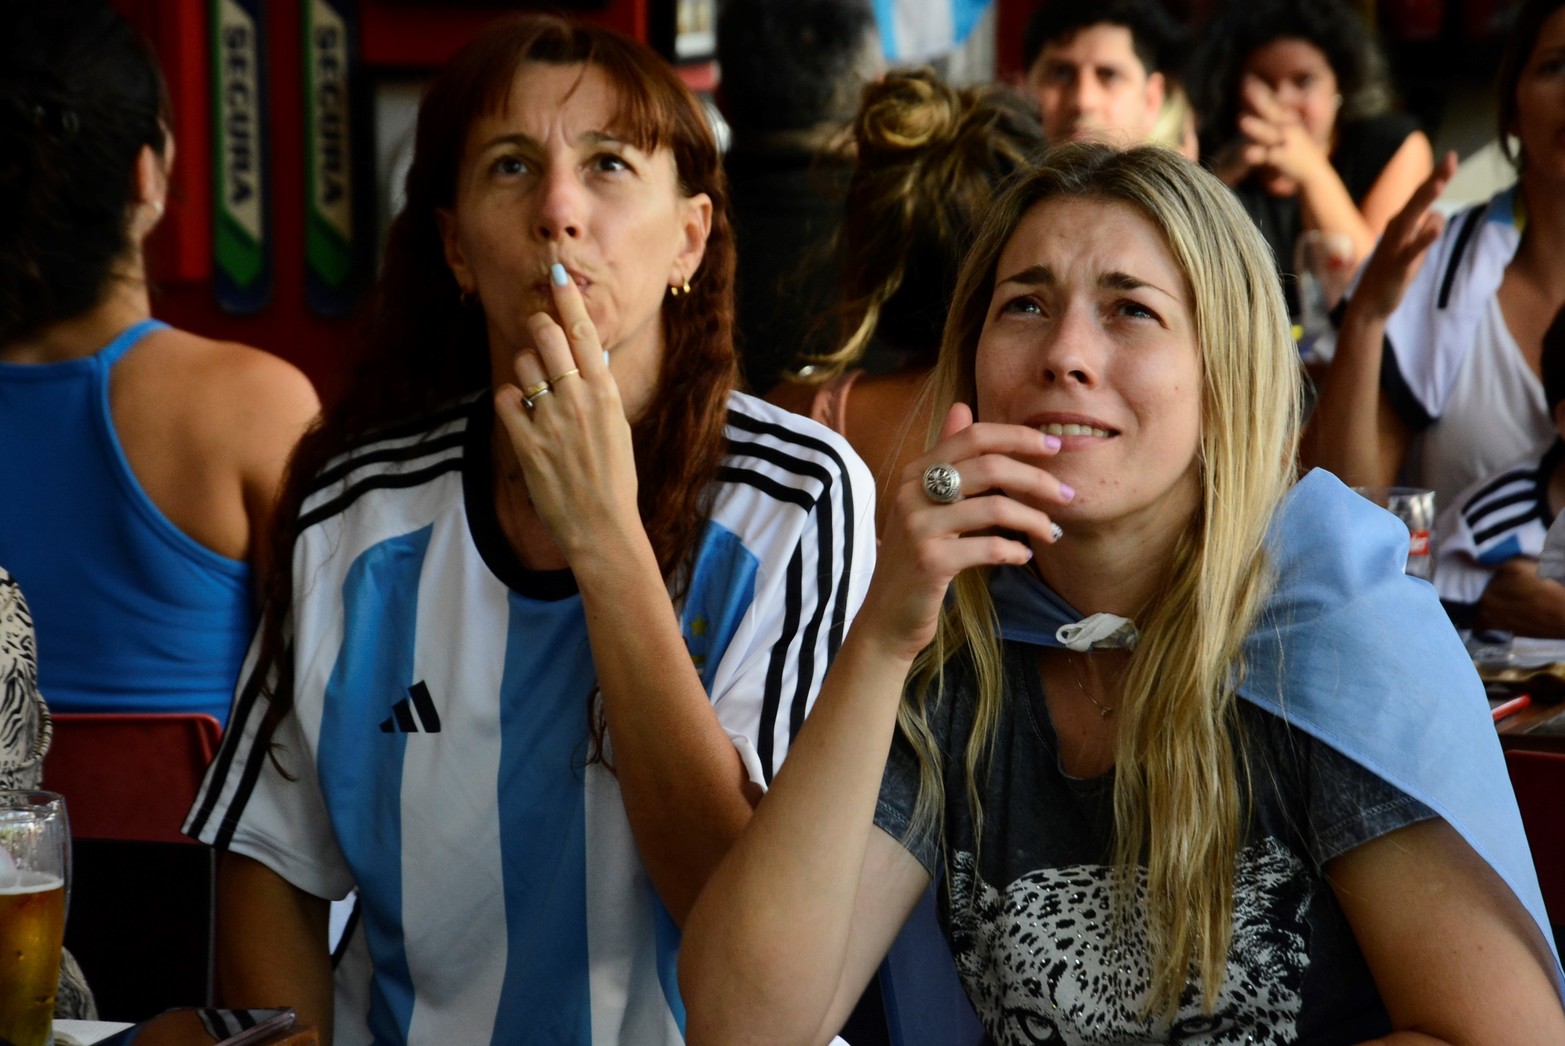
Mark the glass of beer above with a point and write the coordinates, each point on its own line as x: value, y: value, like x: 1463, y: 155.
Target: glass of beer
x: 35, y: 858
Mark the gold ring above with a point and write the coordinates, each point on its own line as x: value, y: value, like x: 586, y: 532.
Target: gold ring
x: 533, y: 390
x: 561, y: 377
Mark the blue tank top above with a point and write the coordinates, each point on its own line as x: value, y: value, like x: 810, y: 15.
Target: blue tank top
x: 132, y: 614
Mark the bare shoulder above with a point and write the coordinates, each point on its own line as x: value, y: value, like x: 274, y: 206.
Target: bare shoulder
x: 243, y: 373
x: 221, y: 386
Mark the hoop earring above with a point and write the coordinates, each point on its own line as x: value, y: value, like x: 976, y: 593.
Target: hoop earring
x: 676, y: 291
x: 466, y: 299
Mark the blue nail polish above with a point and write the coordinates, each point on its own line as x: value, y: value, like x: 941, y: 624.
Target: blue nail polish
x: 558, y: 275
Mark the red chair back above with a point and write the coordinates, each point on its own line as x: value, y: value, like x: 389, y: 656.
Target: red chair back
x: 129, y: 776
x: 1539, y: 781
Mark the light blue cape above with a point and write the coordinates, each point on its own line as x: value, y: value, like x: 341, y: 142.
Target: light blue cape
x: 1360, y: 656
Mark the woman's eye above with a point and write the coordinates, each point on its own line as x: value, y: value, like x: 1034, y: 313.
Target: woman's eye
x: 1025, y: 305
x: 609, y: 162
x: 510, y: 165
x: 1136, y: 310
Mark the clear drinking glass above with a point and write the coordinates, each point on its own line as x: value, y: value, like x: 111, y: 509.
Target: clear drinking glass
x: 1324, y: 264
x: 1415, y: 507
x: 35, y: 861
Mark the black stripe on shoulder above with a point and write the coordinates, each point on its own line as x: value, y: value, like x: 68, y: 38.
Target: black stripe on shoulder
x: 244, y: 707
x: 454, y: 411
x: 777, y: 664
x: 772, y: 454
x: 839, y: 613
x: 254, y: 762
x: 1403, y: 403
x: 765, y: 484
x: 406, y: 452
x: 424, y: 425
x: 748, y: 423
x: 1463, y: 236
x: 387, y: 481
x: 1489, y: 533
x: 1487, y: 510
x: 1493, y: 494
x: 1495, y: 485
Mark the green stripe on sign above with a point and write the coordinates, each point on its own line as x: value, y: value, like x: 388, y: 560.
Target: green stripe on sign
x: 239, y: 254
x: 331, y: 257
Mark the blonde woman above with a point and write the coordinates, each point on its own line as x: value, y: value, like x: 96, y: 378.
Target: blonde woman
x: 1197, y: 813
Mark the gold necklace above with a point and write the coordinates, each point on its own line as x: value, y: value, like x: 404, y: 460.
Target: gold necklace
x: 1104, y: 711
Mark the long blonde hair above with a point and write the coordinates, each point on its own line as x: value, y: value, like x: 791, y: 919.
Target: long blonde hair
x: 1179, y: 789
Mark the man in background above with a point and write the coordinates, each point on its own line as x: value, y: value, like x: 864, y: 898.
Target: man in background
x: 791, y: 71
x: 1098, y: 68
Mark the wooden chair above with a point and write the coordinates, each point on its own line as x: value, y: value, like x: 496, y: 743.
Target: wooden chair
x: 1539, y: 781
x: 141, y: 904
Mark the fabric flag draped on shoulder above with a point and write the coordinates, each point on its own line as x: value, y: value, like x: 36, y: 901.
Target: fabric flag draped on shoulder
x: 1360, y: 656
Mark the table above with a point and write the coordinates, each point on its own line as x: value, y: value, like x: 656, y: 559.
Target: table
x: 1539, y: 727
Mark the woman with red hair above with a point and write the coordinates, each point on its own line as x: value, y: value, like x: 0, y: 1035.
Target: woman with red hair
x: 551, y: 599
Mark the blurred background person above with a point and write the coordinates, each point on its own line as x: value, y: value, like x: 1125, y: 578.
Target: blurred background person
x: 1297, y: 117
x: 1489, y: 539
x: 791, y: 75
x: 1436, y: 377
x: 141, y: 462
x: 928, y: 159
x: 1096, y: 68
x: 551, y: 599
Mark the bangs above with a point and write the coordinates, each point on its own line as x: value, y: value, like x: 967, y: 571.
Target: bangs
x: 643, y: 116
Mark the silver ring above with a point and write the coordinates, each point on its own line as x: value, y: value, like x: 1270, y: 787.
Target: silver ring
x: 528, y: 401
x: 943, y: 484
x: 1056, y: 531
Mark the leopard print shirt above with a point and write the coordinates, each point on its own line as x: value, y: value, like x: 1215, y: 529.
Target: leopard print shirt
x: 25, y: 733
x: 1029, y: 913
x: 24, y: 719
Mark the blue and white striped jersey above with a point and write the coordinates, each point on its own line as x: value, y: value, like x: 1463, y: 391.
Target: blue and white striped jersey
x: 439, y: 743
x: 1500, y: 517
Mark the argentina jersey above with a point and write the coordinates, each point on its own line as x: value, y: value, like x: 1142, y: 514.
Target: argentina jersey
x: 439, y: 749
x: 1499, y: 518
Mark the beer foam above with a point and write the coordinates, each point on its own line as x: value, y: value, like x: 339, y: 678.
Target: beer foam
x: 28, y: 881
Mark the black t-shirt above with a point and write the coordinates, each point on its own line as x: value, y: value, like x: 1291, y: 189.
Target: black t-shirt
x: 1027, y: 918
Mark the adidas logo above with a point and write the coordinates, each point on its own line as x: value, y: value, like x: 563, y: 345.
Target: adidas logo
x: 414, y: 714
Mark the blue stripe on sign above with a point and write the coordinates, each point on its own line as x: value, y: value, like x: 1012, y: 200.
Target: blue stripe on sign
x: 722, y: 587
x: 668, y: 937
x: 360, y: 766
x: 886, y: 22
x: 964, y: 16
x: 543, y: 847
